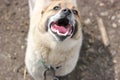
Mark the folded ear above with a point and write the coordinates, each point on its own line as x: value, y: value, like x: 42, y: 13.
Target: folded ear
x: 33, y: 4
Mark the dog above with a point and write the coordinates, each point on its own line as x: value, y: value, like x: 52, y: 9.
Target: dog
x: 54, y: 38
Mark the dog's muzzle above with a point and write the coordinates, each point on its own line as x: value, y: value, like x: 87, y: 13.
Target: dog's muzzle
x: 63, y: 26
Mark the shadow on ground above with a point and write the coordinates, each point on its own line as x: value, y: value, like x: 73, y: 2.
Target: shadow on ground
x: 95, y: 62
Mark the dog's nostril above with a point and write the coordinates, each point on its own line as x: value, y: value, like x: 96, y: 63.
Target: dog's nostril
x: 66, y: 11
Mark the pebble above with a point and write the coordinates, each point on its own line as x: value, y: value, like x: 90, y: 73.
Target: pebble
x: 115, y: 61
x: 119, y: 21
x: 114, y: 25
x: 113, y: 17
x: 15, y: 53
x: 104, y: 13
x: 91, y: 14
x: 9, y: 56
x: 87, y: 21
x: 113, y: 52
x: 22, y: 47
x: 15, y: 69
x: 8, y: 28
x: 101, y: 4
x: 112, y: 1
x: 91, y: 41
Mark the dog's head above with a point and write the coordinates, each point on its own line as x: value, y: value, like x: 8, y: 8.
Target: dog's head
x: 61, y: 19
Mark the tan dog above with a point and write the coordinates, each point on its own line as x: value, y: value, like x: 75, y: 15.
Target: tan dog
x: 54, y: 38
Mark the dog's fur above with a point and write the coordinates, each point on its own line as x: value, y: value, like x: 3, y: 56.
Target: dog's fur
x: 44, y: 45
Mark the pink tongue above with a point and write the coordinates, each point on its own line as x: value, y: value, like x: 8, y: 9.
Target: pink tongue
x: 61, y: 29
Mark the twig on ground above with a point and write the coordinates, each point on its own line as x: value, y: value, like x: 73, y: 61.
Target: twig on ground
x: 24, y: 74
x: 103, y: 32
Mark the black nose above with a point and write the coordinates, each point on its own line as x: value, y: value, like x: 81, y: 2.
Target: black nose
x: 66, y: 11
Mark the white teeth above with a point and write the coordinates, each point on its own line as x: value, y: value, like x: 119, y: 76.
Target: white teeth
x: 62, y: 34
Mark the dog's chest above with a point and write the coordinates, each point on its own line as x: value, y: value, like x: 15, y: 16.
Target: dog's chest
x: 59, y: 54
x: 58, y: 57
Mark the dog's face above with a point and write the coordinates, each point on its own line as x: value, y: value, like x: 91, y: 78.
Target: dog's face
x: 62, y: 20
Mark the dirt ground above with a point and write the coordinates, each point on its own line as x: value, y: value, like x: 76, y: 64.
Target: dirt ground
x: 96, y: 62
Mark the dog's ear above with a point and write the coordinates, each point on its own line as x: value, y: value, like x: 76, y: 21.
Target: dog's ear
x: 31, y: 5
x: 34, y: 4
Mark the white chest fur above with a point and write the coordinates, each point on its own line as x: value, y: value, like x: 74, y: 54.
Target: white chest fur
x: 65, y: 55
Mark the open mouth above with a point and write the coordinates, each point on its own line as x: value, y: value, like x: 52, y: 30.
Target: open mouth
x: 62, y: 27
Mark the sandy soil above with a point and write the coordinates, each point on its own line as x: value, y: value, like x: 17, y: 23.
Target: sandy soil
x: 96, y: 62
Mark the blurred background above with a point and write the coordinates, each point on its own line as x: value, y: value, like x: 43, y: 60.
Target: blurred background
x: 97, y: 62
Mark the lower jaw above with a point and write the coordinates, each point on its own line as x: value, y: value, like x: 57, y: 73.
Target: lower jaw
x: 60, y: 37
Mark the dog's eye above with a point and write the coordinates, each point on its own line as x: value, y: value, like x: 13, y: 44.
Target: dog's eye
x: 57, y: 8
x: 75, y: 12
